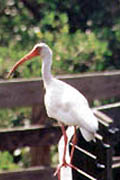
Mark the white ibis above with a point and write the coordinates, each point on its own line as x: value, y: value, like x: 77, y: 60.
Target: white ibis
x: 62, y: 101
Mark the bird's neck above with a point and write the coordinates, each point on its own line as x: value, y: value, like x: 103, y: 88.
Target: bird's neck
x: 46, y: 70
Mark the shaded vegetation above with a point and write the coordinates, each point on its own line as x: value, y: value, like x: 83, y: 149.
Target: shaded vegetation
x: 84, y: 35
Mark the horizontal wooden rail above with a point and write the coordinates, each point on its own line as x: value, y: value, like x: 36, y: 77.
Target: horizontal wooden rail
x: 37, y: 173
x: 33, y: 136
x: 18, y: 92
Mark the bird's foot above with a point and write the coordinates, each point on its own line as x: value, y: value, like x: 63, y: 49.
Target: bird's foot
x: 64, y: 164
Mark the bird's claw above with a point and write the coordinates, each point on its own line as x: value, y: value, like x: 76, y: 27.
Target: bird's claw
x: 64, y: 164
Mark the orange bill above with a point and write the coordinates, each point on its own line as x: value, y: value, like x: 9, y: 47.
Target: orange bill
x: 30, y: 55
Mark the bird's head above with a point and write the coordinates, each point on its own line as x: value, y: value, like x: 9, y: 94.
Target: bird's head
x: 40, y: 49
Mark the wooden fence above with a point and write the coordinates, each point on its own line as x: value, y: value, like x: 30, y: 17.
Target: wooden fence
x: 39, y: 136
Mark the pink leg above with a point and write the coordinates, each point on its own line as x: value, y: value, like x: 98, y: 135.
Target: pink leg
x: 65, y: 146
x: 73, y: 142
x: 57, y: 172
x: 64, y: 163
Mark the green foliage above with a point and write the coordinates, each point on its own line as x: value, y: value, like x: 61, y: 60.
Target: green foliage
x: 6, y: 161
x: 72, y: 52
x: 54, y: 155
x: 89, y: 48
x: 14, y: 117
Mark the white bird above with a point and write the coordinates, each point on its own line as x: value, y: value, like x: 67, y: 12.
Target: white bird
x: 62, y: 101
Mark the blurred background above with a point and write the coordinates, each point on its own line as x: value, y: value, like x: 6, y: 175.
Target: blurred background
x: 84, y: 37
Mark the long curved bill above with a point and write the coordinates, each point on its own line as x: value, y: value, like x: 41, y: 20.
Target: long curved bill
x: 30, y: 55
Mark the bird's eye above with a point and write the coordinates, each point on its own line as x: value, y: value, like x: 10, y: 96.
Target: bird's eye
x: 39, y: 49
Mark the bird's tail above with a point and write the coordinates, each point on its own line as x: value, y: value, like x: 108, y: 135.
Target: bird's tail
x: 88, y: 136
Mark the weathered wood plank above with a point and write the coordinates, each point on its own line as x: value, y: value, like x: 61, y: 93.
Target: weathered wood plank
x: 15, y: 93
x: 34, y: 137
x: 38, y: 173
x: 39, y: 155
x: 20, y: 93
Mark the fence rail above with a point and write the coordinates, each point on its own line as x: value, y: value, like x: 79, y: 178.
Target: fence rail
x: 33, y: 136
x: 16, y: 93
x: 36, y: 173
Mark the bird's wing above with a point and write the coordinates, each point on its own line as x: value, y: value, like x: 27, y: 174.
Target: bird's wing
x: 85, y: 118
